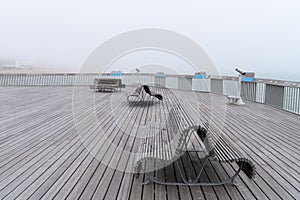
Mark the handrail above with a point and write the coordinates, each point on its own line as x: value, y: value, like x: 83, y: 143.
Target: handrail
x: 278, y: 93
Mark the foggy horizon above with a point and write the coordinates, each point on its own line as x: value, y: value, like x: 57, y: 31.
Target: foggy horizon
x: 257, y: 36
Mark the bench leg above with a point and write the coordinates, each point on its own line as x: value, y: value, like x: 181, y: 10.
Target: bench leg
x: 147, y: 175
x: 234, y: 183
x: 147, y: 180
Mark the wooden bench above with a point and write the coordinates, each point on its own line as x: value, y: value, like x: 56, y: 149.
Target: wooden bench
x: 140, y: 92
x: 110, y: 84
x: 163, y: 146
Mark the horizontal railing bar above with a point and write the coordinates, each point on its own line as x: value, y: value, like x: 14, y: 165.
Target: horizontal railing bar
x: 278, y: 93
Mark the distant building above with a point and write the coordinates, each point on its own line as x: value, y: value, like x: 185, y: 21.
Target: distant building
x: 18, y: 65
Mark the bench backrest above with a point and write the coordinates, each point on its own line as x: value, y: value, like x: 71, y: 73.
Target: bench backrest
x: 179, y: 127
x: 166, y: 142
x: 224, y: 151
x: 108, y: 81
x: 218, y: 144
x: 148, y: 91
x: 138, y: 90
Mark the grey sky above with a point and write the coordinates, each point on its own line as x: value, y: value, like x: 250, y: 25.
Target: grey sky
x: 260, y: 36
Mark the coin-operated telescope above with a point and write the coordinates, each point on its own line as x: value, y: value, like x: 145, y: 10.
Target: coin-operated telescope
x: 240, y: 72
x: 239, y: 100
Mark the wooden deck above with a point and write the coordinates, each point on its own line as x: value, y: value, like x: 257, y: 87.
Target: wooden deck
x: 49, y: 150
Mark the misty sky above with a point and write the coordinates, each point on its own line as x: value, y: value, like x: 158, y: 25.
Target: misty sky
x: 258, y: 35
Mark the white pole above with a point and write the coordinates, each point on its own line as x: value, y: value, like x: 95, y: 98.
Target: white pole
x: 137, y: 77
x: 240, y: 100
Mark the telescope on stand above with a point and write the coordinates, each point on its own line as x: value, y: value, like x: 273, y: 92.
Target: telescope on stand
x: 240, y: 100
x: 240, y: 71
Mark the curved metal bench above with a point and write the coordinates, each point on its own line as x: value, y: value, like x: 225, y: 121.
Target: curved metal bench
x: 151, y: 93
x: 163, y: 146
x: 140, y: 92
x: 233, y: 99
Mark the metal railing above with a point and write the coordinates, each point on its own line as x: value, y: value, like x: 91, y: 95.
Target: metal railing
x: 280, y: 94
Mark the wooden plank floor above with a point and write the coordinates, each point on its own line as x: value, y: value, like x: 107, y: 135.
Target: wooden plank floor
x: 60, y: 143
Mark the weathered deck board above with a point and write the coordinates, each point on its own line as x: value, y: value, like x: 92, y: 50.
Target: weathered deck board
x: 43, y: 156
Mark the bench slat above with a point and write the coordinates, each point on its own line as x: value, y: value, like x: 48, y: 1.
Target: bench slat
x: 107, y: 83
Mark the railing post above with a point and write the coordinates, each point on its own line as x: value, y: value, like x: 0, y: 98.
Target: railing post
x: 274, y: 95
x: 202, y: 85
x: 248, y: 91
x: 160, y: 81
x: 185, y: 83
x: 217, y: 86
x: 230, y: 86
x: 291, y: 99
x: 260, y: 92
x: 172, y: 82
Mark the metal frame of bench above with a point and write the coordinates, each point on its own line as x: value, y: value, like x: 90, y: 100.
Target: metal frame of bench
x: 194, y: 182
x: 102, y: 84
x: 216, y: 147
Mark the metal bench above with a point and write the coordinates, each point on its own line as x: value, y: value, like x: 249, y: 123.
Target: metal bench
x: 110, y: 84
x: 233, y: 99
x: 140, y: 92
x: 163, y: 146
